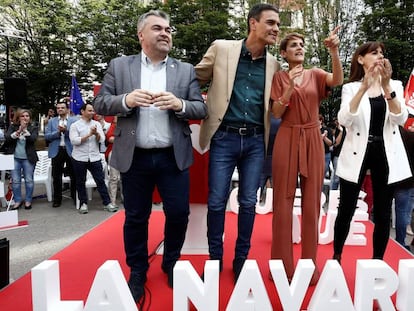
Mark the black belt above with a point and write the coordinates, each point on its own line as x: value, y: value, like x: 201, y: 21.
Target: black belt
x: 243, y: 131
x: 373, y: 138
x: 62, y: 147
x: 154, y: 150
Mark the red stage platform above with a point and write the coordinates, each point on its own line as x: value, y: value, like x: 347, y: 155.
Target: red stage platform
x: 80, y: 261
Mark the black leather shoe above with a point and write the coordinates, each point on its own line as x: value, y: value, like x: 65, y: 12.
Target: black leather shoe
x: 237, y: 267
x: 170, y: 278
x: 136, y: 285
x: 220, y: 267
x: 56, y: 204
x: 169, y: 271
x: 28, y: 206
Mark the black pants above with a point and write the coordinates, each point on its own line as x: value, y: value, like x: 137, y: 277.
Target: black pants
x: 150, y: 168
x: 375, y: 160
x: 62, y: 164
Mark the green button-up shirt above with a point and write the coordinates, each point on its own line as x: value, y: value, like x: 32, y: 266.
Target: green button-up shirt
x: 246, y: 102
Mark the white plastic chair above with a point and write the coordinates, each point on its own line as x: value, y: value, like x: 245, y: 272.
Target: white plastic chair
x: 43, y: 173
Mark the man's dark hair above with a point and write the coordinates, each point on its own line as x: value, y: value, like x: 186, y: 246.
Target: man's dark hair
x: 83, y: 107
x: 143, y: 18
x: 256, y: 12
x: 64, y: 100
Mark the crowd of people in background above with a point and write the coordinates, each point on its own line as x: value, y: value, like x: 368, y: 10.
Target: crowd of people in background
x: 263, y: 121
x: 66, y: 149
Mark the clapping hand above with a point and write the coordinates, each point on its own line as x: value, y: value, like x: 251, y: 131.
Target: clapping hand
x: 93, y: 130
x: 385, y: 70
x: 23, y: 126
x: 61, y: 128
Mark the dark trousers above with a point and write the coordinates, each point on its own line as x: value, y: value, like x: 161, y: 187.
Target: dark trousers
x: 375, y: 160
x: 150, y: 168
x: 96, y: 169
x: 62, y: 164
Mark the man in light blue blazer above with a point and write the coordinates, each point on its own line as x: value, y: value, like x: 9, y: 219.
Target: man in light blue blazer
x: 154, y: 97
x: 60, y: 150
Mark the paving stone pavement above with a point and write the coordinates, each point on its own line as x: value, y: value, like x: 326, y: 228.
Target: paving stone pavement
x: 49, y: 230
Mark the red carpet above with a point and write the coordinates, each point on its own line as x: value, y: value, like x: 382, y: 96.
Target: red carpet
x: 80, y: 261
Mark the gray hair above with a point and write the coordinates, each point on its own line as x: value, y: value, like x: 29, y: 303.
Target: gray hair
x: 143, y: 18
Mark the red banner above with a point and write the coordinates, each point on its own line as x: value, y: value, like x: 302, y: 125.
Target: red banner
x: 409, y: 91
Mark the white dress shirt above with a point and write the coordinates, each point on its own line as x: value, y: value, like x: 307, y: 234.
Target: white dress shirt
x: 62, y: 122
x: 153, y: 127
x: 89, y: 149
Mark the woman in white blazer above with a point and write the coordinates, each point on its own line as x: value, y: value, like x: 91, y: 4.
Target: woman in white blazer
x: 371, y: 110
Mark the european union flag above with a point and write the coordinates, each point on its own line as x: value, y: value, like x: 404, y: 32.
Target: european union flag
x: 76, y: 100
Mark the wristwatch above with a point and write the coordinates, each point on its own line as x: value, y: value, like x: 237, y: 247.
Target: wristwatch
x: 392, y: 96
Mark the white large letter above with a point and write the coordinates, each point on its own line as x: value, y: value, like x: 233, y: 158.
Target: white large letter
x: 46, y: 289
x: 405, y: 294
x: 331, y: 292
x: 291, y: 297
x: 110, y: 290
x: 374, y: 280
x: 188, y: 286
x: 250, y: 292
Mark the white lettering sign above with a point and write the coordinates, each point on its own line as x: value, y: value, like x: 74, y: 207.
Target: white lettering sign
x: 356, y: 231
x: 374, y: 281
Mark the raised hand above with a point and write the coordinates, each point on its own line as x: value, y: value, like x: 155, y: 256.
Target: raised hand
x: 332, y: 41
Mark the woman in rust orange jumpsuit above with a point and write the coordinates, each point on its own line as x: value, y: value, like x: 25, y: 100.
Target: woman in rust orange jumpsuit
x: 298, y: 150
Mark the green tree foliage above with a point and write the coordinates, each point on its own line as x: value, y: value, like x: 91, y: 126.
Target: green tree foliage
x: 321, y: 17
x: 198, y: 23
x: 64, y: 37
x: 103, y: 29
x: 392, y: 22
x: 44, y: 56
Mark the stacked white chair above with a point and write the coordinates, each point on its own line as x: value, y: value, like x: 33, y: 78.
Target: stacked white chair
x: 43, y: 173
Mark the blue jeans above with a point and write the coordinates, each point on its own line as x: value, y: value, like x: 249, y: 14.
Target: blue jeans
x: 80, y: 169
x: 404, y: 199
x: 22, y: 165
x: 150, y: 168
x: 228, y: 150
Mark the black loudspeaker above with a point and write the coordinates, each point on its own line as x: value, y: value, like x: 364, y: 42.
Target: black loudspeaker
x: 15, y: 92
x: 4, y: 262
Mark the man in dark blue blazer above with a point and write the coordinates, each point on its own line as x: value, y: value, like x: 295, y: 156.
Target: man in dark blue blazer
x: 154, y: 97
x: 60, y: 150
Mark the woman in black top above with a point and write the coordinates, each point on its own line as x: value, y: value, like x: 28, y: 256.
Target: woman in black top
x: 371, y: 110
